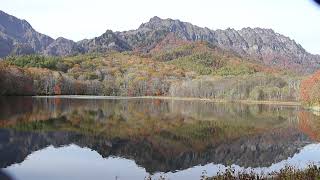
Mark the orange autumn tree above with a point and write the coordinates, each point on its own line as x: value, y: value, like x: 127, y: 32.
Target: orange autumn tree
x: 310, y: 89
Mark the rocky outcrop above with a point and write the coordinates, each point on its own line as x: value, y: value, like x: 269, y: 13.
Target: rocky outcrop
x: 63, y: 47
x: 106, y: 42
x: 18, y: 37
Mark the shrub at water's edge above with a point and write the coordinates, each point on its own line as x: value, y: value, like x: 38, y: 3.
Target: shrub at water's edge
x: 312, y: 172
x: 286, y: 173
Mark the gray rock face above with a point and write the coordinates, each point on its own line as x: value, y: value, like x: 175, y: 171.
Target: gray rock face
x: 18, y: 37
x: 106, y: 42
x: 183, y: 30
x: 6, y: 45
x: 63, y: 47
x: 264, y: 45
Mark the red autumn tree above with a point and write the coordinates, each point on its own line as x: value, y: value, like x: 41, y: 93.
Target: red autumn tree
x: 310, y: 89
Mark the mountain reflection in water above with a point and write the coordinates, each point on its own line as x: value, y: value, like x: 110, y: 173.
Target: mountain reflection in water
x: 137, y: 137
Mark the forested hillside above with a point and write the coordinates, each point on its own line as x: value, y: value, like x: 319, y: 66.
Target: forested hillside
x: 188, y: 70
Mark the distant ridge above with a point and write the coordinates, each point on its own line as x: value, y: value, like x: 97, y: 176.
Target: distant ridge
x: 17, y: 37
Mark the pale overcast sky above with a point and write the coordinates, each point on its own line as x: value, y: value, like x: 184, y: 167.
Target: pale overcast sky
x: 79, y: 19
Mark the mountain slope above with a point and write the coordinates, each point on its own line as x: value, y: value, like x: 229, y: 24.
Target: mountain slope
x: 62, y: 47
x: 106, y: 42
x: 263, y: 45
x: 17, y: 37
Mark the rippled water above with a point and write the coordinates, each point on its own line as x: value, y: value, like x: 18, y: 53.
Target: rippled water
x: 64, y: 138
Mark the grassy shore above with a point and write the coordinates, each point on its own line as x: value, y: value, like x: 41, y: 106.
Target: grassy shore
x: 175, y: 98
x: 287, y: 173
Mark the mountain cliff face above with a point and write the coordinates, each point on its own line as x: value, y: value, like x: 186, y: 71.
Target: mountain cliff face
x: 263, y: 45
x: 17, y: 37
x: 106, y: 42
x: 62, y: 47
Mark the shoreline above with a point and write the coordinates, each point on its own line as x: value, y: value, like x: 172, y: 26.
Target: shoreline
x: 287, y: 103
x: 315, y: 110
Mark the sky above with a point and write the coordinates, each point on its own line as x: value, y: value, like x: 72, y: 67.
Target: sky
x: 80, y: 19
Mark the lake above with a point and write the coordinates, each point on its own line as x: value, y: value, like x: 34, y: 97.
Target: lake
x: 128, y: 139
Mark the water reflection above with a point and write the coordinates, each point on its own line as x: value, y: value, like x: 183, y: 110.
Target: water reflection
x: 79, y: 163
x: 157, y: 135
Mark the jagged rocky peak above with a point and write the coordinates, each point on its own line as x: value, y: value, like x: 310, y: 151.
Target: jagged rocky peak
x: 268, y: 41
x: 183, y: 30
x: 62, y: 39
x: 157, y: 23
x: 155, y: 19
x: 13, y: 26
x: 153, y: 23
x: 63, y: 47
x: 109, y: 34
x: 108, y: 41
x: 18, y: 36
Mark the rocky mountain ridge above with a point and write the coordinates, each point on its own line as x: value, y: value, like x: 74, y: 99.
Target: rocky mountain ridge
x: 264, y: 45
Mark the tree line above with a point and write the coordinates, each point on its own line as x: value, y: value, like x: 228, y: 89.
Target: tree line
x: 195, y: 70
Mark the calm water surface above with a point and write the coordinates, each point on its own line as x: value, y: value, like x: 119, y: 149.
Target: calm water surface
x: 61, y: 138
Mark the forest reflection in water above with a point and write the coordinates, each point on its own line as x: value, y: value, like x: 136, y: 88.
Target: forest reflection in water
x: 157, y: 136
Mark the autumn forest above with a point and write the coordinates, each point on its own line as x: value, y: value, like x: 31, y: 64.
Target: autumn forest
x: 190, y: 70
